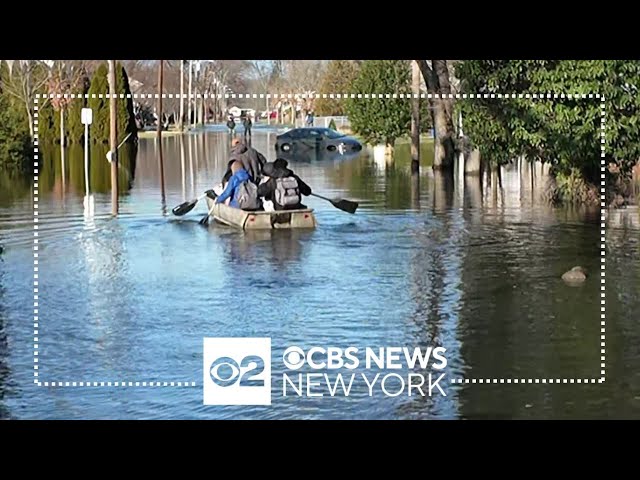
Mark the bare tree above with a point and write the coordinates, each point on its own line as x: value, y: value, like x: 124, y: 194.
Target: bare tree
x: 25, y: 78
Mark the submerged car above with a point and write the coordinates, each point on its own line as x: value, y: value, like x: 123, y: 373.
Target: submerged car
x: 305, y: 140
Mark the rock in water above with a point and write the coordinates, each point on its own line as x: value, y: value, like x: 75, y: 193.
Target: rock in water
x: 575, y: 275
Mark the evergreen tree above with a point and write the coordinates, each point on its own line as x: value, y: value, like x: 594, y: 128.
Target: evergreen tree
x: 100, y: 106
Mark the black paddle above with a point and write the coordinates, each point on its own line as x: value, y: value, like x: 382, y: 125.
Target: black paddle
x: 344, y: 205
x: 186, y: 207
x: 205, y: 220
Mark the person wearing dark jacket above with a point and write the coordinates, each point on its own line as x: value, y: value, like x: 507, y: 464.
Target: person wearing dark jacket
x: 247, y: 123
x: 252, y: 160
x: 231, y: 124
x: 282, y: 187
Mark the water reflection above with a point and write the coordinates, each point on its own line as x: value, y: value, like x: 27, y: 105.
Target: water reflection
x: 15, y: 185
x: 5, y: 372
x: 317, y: 155
x: 60, y: 177
x: 415, y: 191
x: 277, y: 248
x: 163, y: 196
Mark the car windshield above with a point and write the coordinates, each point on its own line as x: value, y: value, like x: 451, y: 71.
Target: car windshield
x: 332, y: 133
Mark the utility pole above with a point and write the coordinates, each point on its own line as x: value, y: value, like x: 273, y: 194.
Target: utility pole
x: 113, y: 136
x: 415, y: 117
x: 181, y: 122
x: 160, y: 75
x: 195, y: 100
x: 189, y: 96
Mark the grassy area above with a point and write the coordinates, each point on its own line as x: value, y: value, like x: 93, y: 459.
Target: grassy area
x: 424, y: 138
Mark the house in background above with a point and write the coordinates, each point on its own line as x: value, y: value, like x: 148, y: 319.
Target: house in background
x: 238, y: 112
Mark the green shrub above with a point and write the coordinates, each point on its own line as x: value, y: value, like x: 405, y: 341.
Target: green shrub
x: 15, y: 139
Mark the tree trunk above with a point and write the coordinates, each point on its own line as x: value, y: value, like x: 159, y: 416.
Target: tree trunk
x: 472, y: 164
x: 30, y: 117
x: 472, y: 191
x: 437, y: 79
x: 415, y: 117
x: 441, y: 70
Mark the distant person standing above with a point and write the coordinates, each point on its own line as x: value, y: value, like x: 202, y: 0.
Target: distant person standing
x: 247, y: 123
x: 310, y: 119
x: 231, y: 124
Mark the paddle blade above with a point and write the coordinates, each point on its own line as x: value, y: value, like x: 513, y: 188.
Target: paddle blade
x: 184, y: 208
x: 345, y: 205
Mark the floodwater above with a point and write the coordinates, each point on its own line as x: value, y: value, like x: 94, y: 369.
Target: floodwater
x: 425, y: 261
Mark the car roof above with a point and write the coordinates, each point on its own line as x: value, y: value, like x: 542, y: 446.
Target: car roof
x: 306, y: 129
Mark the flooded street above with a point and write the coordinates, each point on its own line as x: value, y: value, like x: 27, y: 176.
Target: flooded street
x: 424, y: 261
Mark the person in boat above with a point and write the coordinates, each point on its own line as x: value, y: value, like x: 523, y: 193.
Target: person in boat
x: 252, y: 160
x: 282, y: 187
x: 240, y: 192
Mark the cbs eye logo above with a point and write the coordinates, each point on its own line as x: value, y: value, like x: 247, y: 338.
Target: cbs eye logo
x: 293, y: 358
x: 225, y: 371
x: 236, y: 371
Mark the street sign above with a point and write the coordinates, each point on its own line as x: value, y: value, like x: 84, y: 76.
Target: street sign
x: 86, y: 117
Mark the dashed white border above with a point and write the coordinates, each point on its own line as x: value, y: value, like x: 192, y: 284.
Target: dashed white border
x: 283, y: 96
x: 35, y: 242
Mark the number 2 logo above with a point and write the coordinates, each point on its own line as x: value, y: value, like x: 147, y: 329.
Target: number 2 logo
x: 225, y: 371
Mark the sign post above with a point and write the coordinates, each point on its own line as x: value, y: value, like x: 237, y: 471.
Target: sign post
x: 86, y: 117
